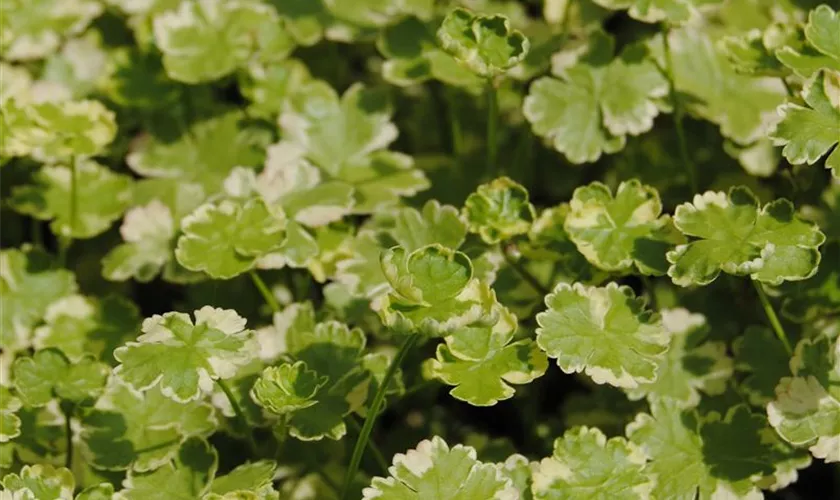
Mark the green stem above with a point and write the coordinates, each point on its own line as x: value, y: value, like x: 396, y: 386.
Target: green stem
x: 266, y: 293
x: 67, y: 409
x: 64, y: 241
x: 492, y: 118
x: 457, y: 136
x: 156, y: 447
x: 522, y: 272
x: 678, y: 112
x: 373, y: 413
x: 771, y: 315
x: 240, y: 416
x: 374, y: 449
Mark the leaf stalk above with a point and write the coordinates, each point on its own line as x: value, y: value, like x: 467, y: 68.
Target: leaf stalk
x: 264, y: 291
x: 240, y: 415
x: 678, y: 111
x: 492, y: 118
x: 522, y: 272
x: 772, y: 317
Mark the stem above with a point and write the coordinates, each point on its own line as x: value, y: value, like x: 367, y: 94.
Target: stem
x: 374, y: 450
x: 523, y: 273
x: 373, y: 413
x: 492, y: 117
x: 266, y: 293
x: 64, y: 241
x: 771, y: 315
x: 67, y: 409
x: 240, y: 416
x: 678, y: 112
x: 455, y: 130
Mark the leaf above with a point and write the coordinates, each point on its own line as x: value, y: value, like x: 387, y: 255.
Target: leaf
x: 29, y: 282
x: 225, y: 239
x: 56, y: 131
x: 695, y: 459
x: 205, y: 153
x: 484, y: 44
x: 381, y: 179
x: 433, y: 292
x: 760, y: 355
x: 48, y: 374
x: 361, y: 271
x: 9, y: 421
x: 251, y: 477
x: 481, y: 362
x: 434, y: 470
x: 743, y: 106
x: 326, y: 383
x: 436, y: 223
x: 270, y: 86
x: 368, y: 14
x: 499, y: 210
x: 750, y: 54
x: 585, y: 462
x: 148, y: 232
x: 770, y: 244
x: 101, y: 198
x: 204, y: 40
x: 819, y: 295
x: 32, y: 31
x: 138, y: 81
x: 183, y: 358
x: 806, y: 410
x: 306, y: 20
x: 142, y: 431
x: 652, y: 11
x: 187, y: 477
x: 594, y: 104
x: 604, y: 332
x: 809, y: 133
x: 40, y: 482
x: 617, y: 233
x: 690, y: 365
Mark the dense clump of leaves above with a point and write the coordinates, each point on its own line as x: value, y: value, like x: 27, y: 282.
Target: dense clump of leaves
x: 418, y: 249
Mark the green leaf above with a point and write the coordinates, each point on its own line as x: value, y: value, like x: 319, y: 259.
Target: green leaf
x: 48, y: 374
x: 821, y: 31
x: 138, y: 81
x: 653, y: 11
x: 809, y: 133
x: 616, y: 233
x: 735, y: 235
x: 481, y: 362
x: 361, y: 272
x: 148, y: 232
x: 33, y: 30
x: 187, y: 477
x: 690, y: 365
x: 287, y: 387
x: 252, y: 478
x: 436, y: 223
x: 368, y: 14
x: 750, y: 54
x: 29, y: 282
x: 225, y: 239
x: 270, y: 86
x: 594, y: 104
x: 806, y: 410
x: 585, y: 462
x: 819, y: 295
x: 9, y: 421
x: 434, y: 470
x: 205, y: 153
x: 760, y: 355
x: 433, y: 292
x: 499, y: 210
x: 40, y: 482
x: 306, y: 20
x: 604, y: 332
x: 183, y: 358
x: 381, y: 179
x: 101, y: 198
x: 204, y: 40
x: 142, y: 431
x: 486, y: 45
x: 56, y: 131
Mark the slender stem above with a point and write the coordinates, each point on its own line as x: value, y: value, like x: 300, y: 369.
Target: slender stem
x: 266, y: 293
x: 65, y: 241
x: 419, y: 387
x: 523, y: 273
x: 455, y: 129
x: 788, y: 89
x: 156, y: 447
x: 771, y: 315
x: 67, y: 409
x: 678, y: 112
x: 240, y: 416
x: 492, y: 118
x: 373, y: 413
x: 374, y: 449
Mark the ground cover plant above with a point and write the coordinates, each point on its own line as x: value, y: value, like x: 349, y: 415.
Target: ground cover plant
x: 420, y: 249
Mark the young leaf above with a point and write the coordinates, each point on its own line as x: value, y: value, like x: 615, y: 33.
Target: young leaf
x: 604, y: 332
x: 29, y: 282
x: 189, y: 475
x: 434, y: 470
x: 585, y: 461
x: 806, y: 411
x: 484, y: 44
x: 9, y: 421
x: 436, y: 223
x: 809, y: 133
x: 101, y: 197
x: 225, y: 239
x: 270, y: 86
x: 204, y: 40
x: 183, y: 358
x: 57, y: 131
x: 499, y: 210
x: 597, y: 102
x: 48, y: 374
x: 40, y: 482
x: 821, y: 50
x: 481, y: 361
x: 433, y: 292
x: 288, y: 387
x: 128, y: 429
x: 616, y: 233
x: 735, y: 235
x: 33, y: 31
